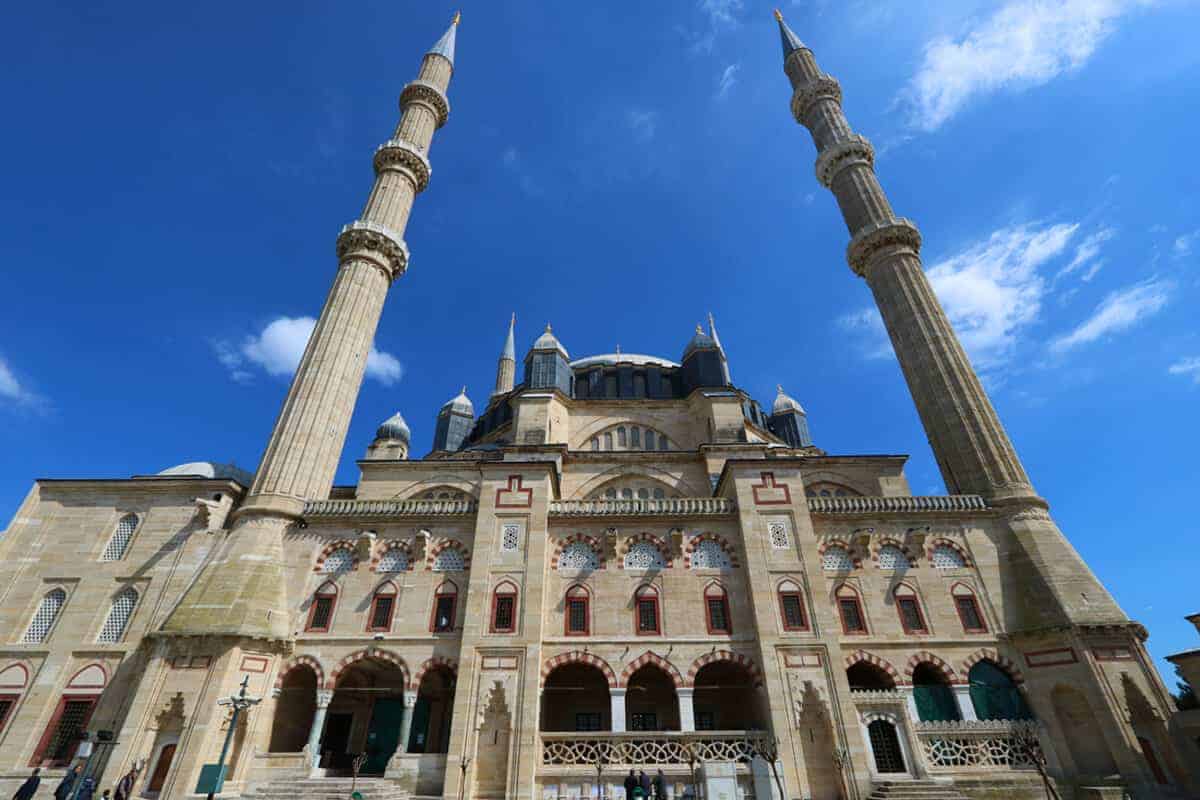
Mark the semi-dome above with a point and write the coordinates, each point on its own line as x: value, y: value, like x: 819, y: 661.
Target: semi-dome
x: 548, y: 341
x: 785, y: 402
x: 621, y: 358
x: 460, y: 403
x: 700, y: 341
x: 394, y: 428
x: 209, y: 469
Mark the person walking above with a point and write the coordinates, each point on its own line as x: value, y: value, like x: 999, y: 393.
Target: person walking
x: 631, y: 783
x: 644, y: 782
x: 63, y: 790
x: 87, y: 789
x: 660, y: 786
x: 29, y: 787
x: 124, y: 790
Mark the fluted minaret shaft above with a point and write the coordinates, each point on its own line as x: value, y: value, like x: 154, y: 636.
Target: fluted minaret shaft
x: 506, y: 369
x: 971, y: 446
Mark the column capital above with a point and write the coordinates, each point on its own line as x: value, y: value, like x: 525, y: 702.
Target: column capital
x: 842, y: 154
x: 324, y: 697
x: 419, y: 91
x: 823, y: 87
x: 406, y: 157
x: 894, y: 234
x: 376, y: 243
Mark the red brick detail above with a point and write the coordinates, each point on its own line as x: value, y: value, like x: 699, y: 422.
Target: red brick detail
x: 908, y: 553
x: 721, y: 542
x: 256, y: 664
x: 725, y: 655
x: 859, y: 656
x: 437, y: 662
x: 769, y: 493
x: 301, y: 662
x: 590, y: 541
x: 926, y: 657
x: 580, y: 657
x: 391, y: 544
x: 933, y: 544
x: 511, y: 497
x: 329, y: 548
x: 649, y: 657
x: 1050, y: 658
x: 658, y: 544
x: 368, y: 654
x: 448, y: 544
x: 990, y: 654
x: 842, y: 543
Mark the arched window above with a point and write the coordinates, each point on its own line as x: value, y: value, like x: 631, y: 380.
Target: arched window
x: 44, y: 617
x: 709, y: 555
x: 649, y: 440
x: 644, y: 556
x: 791, y: 607
x: 119, y: 615
x: 892, y: 557
x: 577, y: 612
x: 611, y: 494
x: 659, y: 494
x: 449, y: 560
x: 647, y: 619
x: 340, y: 560
x: 908, y: 606
x: 393, y: 560
x: 663, y: 442
x: 968, y: 609
x: 837, y: 558
x: 716, y: 609
x: 504, y: 608
x: 621, y: 440
x: 933, y: 695
x: 445, y: 598
x: 383, y: 606
x: 851, y: 611
x: 595, y: 443
x: 608, y: 441
x: 643, y: 494
x: 635, y: 438
x: 320, y: 614
x: 578, y: 556
x: 946, y: 557
x: 994, y: 693
x: 885, y: 745
x: 122, y: 536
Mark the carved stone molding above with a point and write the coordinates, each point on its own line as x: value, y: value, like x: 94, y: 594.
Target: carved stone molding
x: 374, y: 241
x: 896, y: 234
x: 897, y: 505
x: 840, y: 155
x: 821, y: 88
x: 317, y: 509
x: 430, y: 95
x: 671, y: 506
x: 397, y: 154
x: 1030, y: 513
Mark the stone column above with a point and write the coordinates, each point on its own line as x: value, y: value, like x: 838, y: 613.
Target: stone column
x: 910, y: 703
x: 687, y: 711
x: 966, y: 707
x: 318, y: 726
x: 617, y: 700
x: 410, y: 700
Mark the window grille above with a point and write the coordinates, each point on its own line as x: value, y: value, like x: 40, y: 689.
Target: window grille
x: 443, y: 615
x: 504, y: 614
x: 510, y: 536
x: 43, y: 618
x: 65, y: 739
x: 577, y: 615
x: 393, y: 560
x: 836, y: 558
x: 587, y: 721
x: 968, y: 611
x: 119, y: 543
x: 910, y: 614
x: 946, y: 557
x: 322, y: 613
x: 793, y: 611
x: 340, y: 560
x: 578, y: 555
x: 118, y: 616
x: 852, y: 619
x: 449, y: 560
x: 644, y: 556
x: 647, y: 614
x: 709, y: 555
x: 892, y: 557
x: 718, y: 614
x: 381, y: 612
x: 778, y: 533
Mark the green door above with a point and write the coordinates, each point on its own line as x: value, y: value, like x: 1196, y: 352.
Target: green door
x: 383, y: 734
x: 420, y: 726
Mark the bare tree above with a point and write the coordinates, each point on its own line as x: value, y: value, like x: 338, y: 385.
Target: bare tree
x: 767, y: 748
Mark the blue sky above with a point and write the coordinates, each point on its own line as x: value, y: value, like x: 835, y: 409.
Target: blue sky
x: 174, y: 178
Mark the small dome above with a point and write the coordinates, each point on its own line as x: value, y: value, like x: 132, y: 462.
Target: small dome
x: 700, y: 341
x: 461, y: 404
x: 785, y: 402
x: 209, y: 469
x: 394, y: 428
x: 548, y: 341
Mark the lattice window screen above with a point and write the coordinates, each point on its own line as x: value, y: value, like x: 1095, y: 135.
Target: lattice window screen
x: 43, y: 618
x: 119, y: 543
x: 118, y: 616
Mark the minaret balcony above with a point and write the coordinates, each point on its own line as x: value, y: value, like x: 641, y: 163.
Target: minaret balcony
x: 842, y: 154
x: 419, y: 91
x: 894, y: 234
x: 405, y: 156
x: 375, y: 242
x: 822, y: 88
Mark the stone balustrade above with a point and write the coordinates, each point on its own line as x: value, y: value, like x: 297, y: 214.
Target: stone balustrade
x: 341, y: 509
x: 978, y: 745
x: 645, y: 750
x: 665, y: 507
x: 950, y: 503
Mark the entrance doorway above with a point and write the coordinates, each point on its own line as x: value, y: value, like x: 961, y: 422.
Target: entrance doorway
x: 161, y: 768
x: 383, y: 735
x: 364, y: 717
x: 885, y: 744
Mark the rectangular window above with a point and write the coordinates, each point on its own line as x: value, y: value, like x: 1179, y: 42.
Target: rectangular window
x: 504, y: 613
x: 852, y: 616
x: 647, y: 615
x: 7, y: 703
x: 706, y: 721
x: 321, y: 614
x: 588, y: 721
x: 793, y: 611
x: 910, y: 615
x: 61, y: 738
x: 577, y: 616
x: 968, y: 612
x: 381, y: 613
x: 643, y: 721
x: 718, y: 614
x: 443, y: 613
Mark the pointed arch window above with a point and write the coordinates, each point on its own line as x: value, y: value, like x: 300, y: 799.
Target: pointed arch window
x: 320, y: 613
x: 393, y: 560
x: 908, y: 606
x: 577, y: 612
x: 716, y: 609
x: 968, y: 610
x: 709, y: 555
x: 45, y: 616
x: 946, y: 557
x: 383, y: 607
x: 121, y: 537
x: 644, y: 556
x: 119, y: 615
x: 837, y: 559
x: 647, y: 616
x: 578, y: 556
x: 504, y: 608
x: 449, y: 560
x: 340, y: 560
x: 850, y: 611
x: 791, y: 607
x: 445, y: 602
x: 892, y: 557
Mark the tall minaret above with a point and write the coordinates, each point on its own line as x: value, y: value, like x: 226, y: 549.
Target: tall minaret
x: 243, y: 591
x: 506, y: 370
x: 712, y: 332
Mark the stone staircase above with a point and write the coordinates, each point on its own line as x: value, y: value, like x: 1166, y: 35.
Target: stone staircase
x: 327, y: 789
x: 915, y: 790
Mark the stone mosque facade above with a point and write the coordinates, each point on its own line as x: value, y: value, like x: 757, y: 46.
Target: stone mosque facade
x: 618, y: 561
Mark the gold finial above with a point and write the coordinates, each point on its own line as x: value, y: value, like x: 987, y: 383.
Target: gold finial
x: 547, y: 327
x: 778, y: 16
x: 699, y: 329
x: 513, y: 321
x: 458, y: 16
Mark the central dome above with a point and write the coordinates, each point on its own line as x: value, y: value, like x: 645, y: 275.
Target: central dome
x: 622, y: 358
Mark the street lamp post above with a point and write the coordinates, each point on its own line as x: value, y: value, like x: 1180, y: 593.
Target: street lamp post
x: 240, y: 702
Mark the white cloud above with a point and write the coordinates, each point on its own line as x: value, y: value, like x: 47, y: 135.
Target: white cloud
x: 643, y: 124
x: 1118, y: 311
x: 1086, y: 255
x: 1185, y: 244
x: 1024, y: 43
x: 279, y: 347
x: 727, y: 80
x: 1187, y: 366
x: 867, y: 321
x: 721, y: 13
x: 13, y: 390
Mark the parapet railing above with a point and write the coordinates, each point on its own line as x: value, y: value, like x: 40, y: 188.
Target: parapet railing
x: 658, y: 748
x: 897, y: 505
x: 668, y: 506
x: 979, y: 744
x: 388, y: 508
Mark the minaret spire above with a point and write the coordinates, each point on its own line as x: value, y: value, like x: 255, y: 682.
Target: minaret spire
x: 445, y: 45
x: 712, y: 332
x: 244, y: 591
x: 790, y: 40
x: 506, y: 370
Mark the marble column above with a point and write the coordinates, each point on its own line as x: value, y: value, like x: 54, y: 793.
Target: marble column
x: 910, y: 703
x: 966, y: 707
x: 617, y: 698
x: 318, y: 726
x: 687, y: 712
x: 410, y: 700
